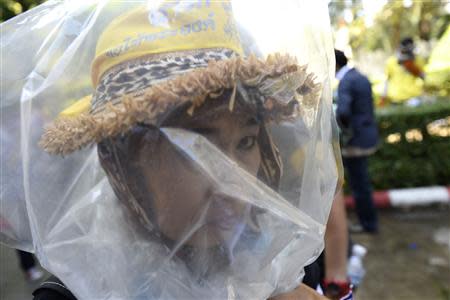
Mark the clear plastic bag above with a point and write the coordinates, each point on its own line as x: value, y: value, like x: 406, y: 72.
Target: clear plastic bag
x: 200, y: 162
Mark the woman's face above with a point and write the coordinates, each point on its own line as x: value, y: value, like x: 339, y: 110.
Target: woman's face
x: 183, y: 196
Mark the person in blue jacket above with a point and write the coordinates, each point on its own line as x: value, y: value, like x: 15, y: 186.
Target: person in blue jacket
x: 355, y: 116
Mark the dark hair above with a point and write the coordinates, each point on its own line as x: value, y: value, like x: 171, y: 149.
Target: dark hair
x: 118, y: 158
x: 407, y: 46
x: 407, y: 41
x: 341, y: 59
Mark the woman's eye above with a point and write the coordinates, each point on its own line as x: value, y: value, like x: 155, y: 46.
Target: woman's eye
x: 247, y: 143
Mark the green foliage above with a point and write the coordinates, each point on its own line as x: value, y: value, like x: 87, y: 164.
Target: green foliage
x: 11, y: 8
x: 396, y: 21
x: 425, y: 20
x: 414, y: 146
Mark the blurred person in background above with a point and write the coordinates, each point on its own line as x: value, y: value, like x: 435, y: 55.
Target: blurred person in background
x: 329, y: 272
x: 405, y: 75
x: 335, y: 281
x: 359, y: 137
x: 28, y: 266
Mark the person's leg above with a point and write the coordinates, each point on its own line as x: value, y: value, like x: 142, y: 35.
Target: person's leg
x: 358, y: 175
x: 336, y: 241
x: 28, y: 266
x: 335, y: 282
x: 26, y: 260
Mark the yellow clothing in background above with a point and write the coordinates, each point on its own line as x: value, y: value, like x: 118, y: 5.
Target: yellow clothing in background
x: 402, y: 85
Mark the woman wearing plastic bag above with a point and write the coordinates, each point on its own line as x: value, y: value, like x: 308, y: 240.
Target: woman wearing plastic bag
x: 194, y: 189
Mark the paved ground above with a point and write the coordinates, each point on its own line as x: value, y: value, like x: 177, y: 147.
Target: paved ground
x: 13, y: 285
x: 408, y: 259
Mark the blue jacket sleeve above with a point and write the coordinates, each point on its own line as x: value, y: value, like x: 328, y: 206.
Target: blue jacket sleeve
x: 344, y: 103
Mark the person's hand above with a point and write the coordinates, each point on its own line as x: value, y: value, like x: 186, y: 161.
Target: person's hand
x: 343, y: 122
x: 302, y: 292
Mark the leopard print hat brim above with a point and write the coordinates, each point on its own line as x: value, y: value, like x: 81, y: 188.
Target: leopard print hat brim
x: 147, y: 89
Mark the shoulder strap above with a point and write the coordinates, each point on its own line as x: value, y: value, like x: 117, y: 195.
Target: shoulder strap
x: 54, y: 284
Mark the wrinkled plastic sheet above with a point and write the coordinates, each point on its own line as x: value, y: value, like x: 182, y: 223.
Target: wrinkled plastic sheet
x: 64, y: 209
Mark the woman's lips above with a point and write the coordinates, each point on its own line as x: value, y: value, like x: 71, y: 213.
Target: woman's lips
x: 226, y: 223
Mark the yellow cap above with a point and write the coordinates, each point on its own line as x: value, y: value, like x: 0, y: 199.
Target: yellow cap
x: 171, y: 27
x: 80, y: 106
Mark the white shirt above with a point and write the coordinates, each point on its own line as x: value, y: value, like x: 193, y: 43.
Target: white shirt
x: 341, y: 73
